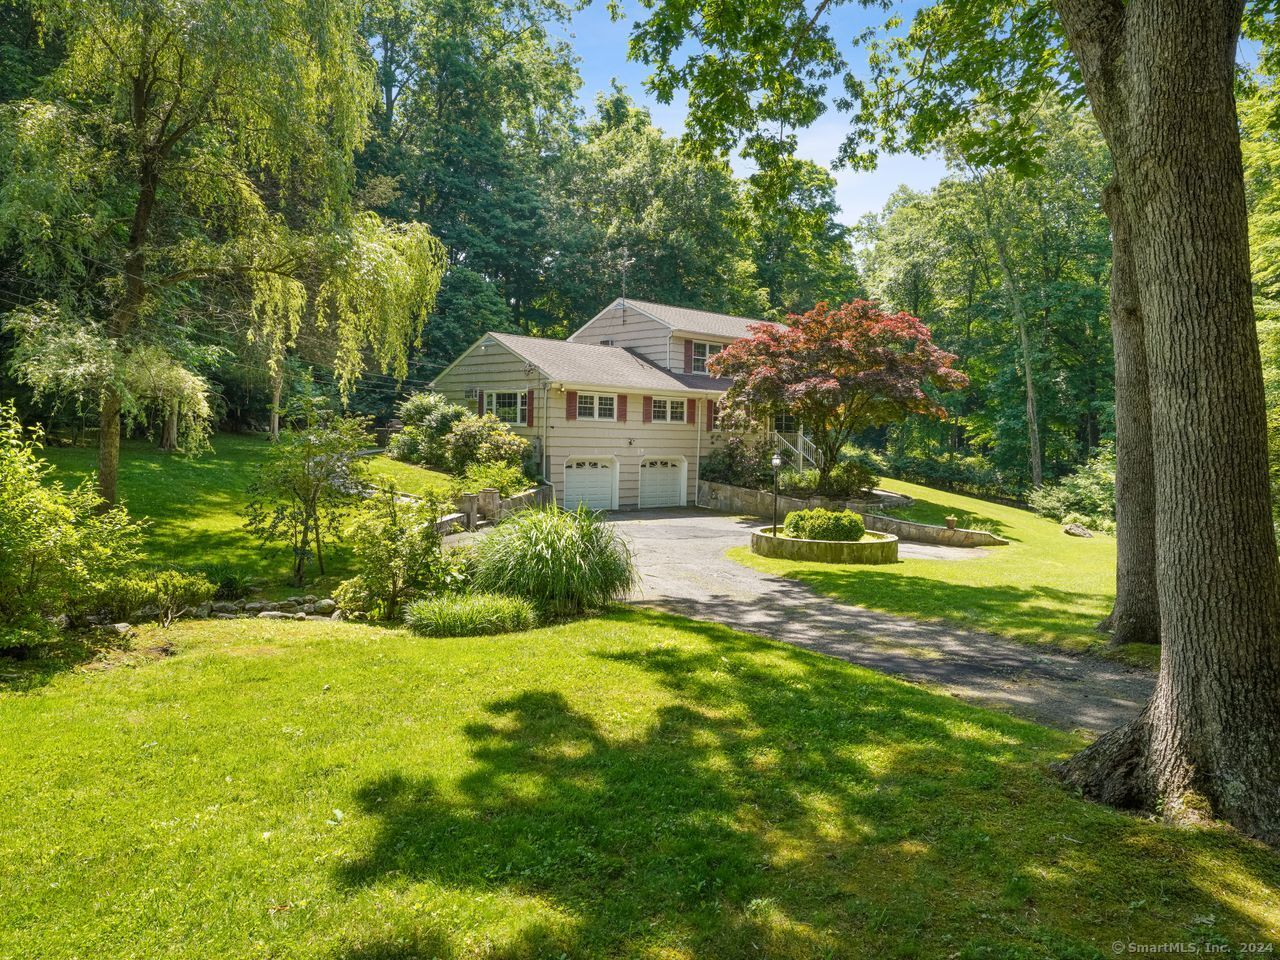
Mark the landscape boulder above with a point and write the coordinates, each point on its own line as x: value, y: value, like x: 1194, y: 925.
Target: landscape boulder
x: 325, y: 606
x: 1076, y: 530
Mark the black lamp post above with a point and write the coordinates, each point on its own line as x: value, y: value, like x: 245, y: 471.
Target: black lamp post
x: 777, y: 462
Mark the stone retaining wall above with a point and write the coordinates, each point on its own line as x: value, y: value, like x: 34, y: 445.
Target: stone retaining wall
x: 877, y: 548
x: 759, y: 503
x: 931, y: 533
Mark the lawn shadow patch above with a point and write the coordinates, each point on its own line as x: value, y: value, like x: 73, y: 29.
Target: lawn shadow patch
x: 783, y: 804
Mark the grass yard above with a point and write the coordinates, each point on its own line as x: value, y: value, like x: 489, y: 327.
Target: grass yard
x: 636, y: 785
x: 408, y: 478
x: 194, y: 505
x: 1044, y: 587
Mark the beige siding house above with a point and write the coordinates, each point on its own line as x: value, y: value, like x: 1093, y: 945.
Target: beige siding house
x: 621, y: 414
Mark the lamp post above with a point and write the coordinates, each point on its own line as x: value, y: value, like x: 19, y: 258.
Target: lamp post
x: 777, y: 462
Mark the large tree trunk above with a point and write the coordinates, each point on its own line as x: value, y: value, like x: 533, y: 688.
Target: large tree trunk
x: 169, y: 433
x: 1161, y: 74
x: 1135, y: 618
x: 109, y: 445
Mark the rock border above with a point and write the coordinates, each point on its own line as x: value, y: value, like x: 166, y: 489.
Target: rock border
x: 882, y: 549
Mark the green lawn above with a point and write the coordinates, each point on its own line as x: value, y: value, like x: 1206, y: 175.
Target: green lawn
x: 408, y: 478
x: 636, y: 785
x: 194, y: 505
x: 1044, y: 587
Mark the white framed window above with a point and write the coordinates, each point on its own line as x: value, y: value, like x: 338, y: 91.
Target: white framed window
x: 596, y: 406
x: 509, y: 406
x: 702, y: 352
x: 668, y: 411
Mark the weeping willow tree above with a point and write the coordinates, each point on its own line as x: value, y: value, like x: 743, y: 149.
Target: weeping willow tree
x: 186, y: 143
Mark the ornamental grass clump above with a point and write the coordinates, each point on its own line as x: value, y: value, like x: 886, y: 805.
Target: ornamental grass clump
x: 820, y: 524
x: 469, y: 615
x: 563, y: 562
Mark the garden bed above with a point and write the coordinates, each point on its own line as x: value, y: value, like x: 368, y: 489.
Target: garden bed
x: 872, y: 548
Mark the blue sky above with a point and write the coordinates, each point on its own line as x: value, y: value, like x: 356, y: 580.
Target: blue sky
x: 601, y: 45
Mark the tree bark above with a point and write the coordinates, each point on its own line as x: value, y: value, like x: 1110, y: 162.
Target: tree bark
x: 1160, y: 74
x: 277, y: 387
x: 169, y: 433
x: 1135, y: 618
x: 108, y: 445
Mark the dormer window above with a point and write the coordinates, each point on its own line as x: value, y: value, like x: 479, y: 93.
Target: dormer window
x: 702, y: 352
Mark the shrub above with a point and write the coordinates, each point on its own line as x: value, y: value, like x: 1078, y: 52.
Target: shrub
x: 820, y: 524
x: 953, y: 471
x: 741, y: 462
x: 1086, y: 496
x: 483, y: 439
x: 563, y: 562
x: 469, y: 615
x: 56, y: 549
x: 798, y: 483
x: 428, y: 418
x: 166, y: 592
x: 851, y: 478
x: 503, y: 477
x: 407, y: 446
x: 398, y: 556
x: 230, y: 583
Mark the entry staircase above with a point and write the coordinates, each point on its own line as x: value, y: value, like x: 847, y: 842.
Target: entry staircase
x: 797, y: 449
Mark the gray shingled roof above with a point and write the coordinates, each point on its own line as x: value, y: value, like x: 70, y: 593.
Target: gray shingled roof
x: 591, y: 364
x: 698, y: 321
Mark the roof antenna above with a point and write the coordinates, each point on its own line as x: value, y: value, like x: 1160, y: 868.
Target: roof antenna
x: 626, y: 261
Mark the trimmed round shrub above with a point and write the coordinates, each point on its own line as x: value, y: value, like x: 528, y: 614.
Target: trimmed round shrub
x: 820, y: 524
x: 564, y: 563
x: 469, y: 615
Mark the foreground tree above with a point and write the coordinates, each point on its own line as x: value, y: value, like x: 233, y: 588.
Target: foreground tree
x: 1159, y: 76
x: 838, y: 371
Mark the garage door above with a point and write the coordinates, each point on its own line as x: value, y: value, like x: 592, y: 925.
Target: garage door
x: 589, y: 481
x: 660, y: 482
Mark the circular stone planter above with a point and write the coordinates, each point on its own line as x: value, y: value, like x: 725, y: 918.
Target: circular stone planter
x: 873, y: 548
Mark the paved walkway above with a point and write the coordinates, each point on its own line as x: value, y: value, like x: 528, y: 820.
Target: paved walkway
x: 680, y: 554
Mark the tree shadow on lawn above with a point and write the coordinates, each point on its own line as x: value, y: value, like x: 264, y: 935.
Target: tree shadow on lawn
x: 1000, y: 608
x: 782, y: 805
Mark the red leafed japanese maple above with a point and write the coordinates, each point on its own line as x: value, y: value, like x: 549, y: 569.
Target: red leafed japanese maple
x: 838, y: 370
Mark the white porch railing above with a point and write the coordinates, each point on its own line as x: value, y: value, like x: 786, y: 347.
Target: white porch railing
x: 802, y: 453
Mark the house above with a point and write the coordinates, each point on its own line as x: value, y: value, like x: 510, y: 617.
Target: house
x: 621, y: 414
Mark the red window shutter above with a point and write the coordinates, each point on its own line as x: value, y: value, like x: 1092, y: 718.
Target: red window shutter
x: 691, y: 411
x: 621, y: 411
x: 528, y: 408
x: 480, y: 403
x: 647, y: 403
x: 571, y: 404
x: 688, y: 356
x: 711, y: 415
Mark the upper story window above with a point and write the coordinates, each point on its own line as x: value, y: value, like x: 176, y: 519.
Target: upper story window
x: 507, y: 406
x: 702, y: 352
x: 785, y: 423
x: 596, y: 406
x: 668, y: 411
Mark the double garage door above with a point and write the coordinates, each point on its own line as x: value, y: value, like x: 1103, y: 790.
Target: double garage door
x: 593, y: 481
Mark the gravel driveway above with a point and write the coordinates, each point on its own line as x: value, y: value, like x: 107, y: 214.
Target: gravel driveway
x: 680, y: 554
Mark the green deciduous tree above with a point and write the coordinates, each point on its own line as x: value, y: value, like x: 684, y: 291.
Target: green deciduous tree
x: 311, y: 476
x: 155, y: 162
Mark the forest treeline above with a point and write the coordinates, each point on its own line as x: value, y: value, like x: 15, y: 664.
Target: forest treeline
x: 463, y: 124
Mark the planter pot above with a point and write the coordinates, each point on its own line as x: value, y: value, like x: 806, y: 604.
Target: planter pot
x: 875, y: 548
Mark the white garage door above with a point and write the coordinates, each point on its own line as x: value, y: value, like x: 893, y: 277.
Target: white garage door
x: 660, y: 482
x: 589, y: 481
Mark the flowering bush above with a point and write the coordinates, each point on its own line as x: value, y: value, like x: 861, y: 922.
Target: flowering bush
x: 483, y: 439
